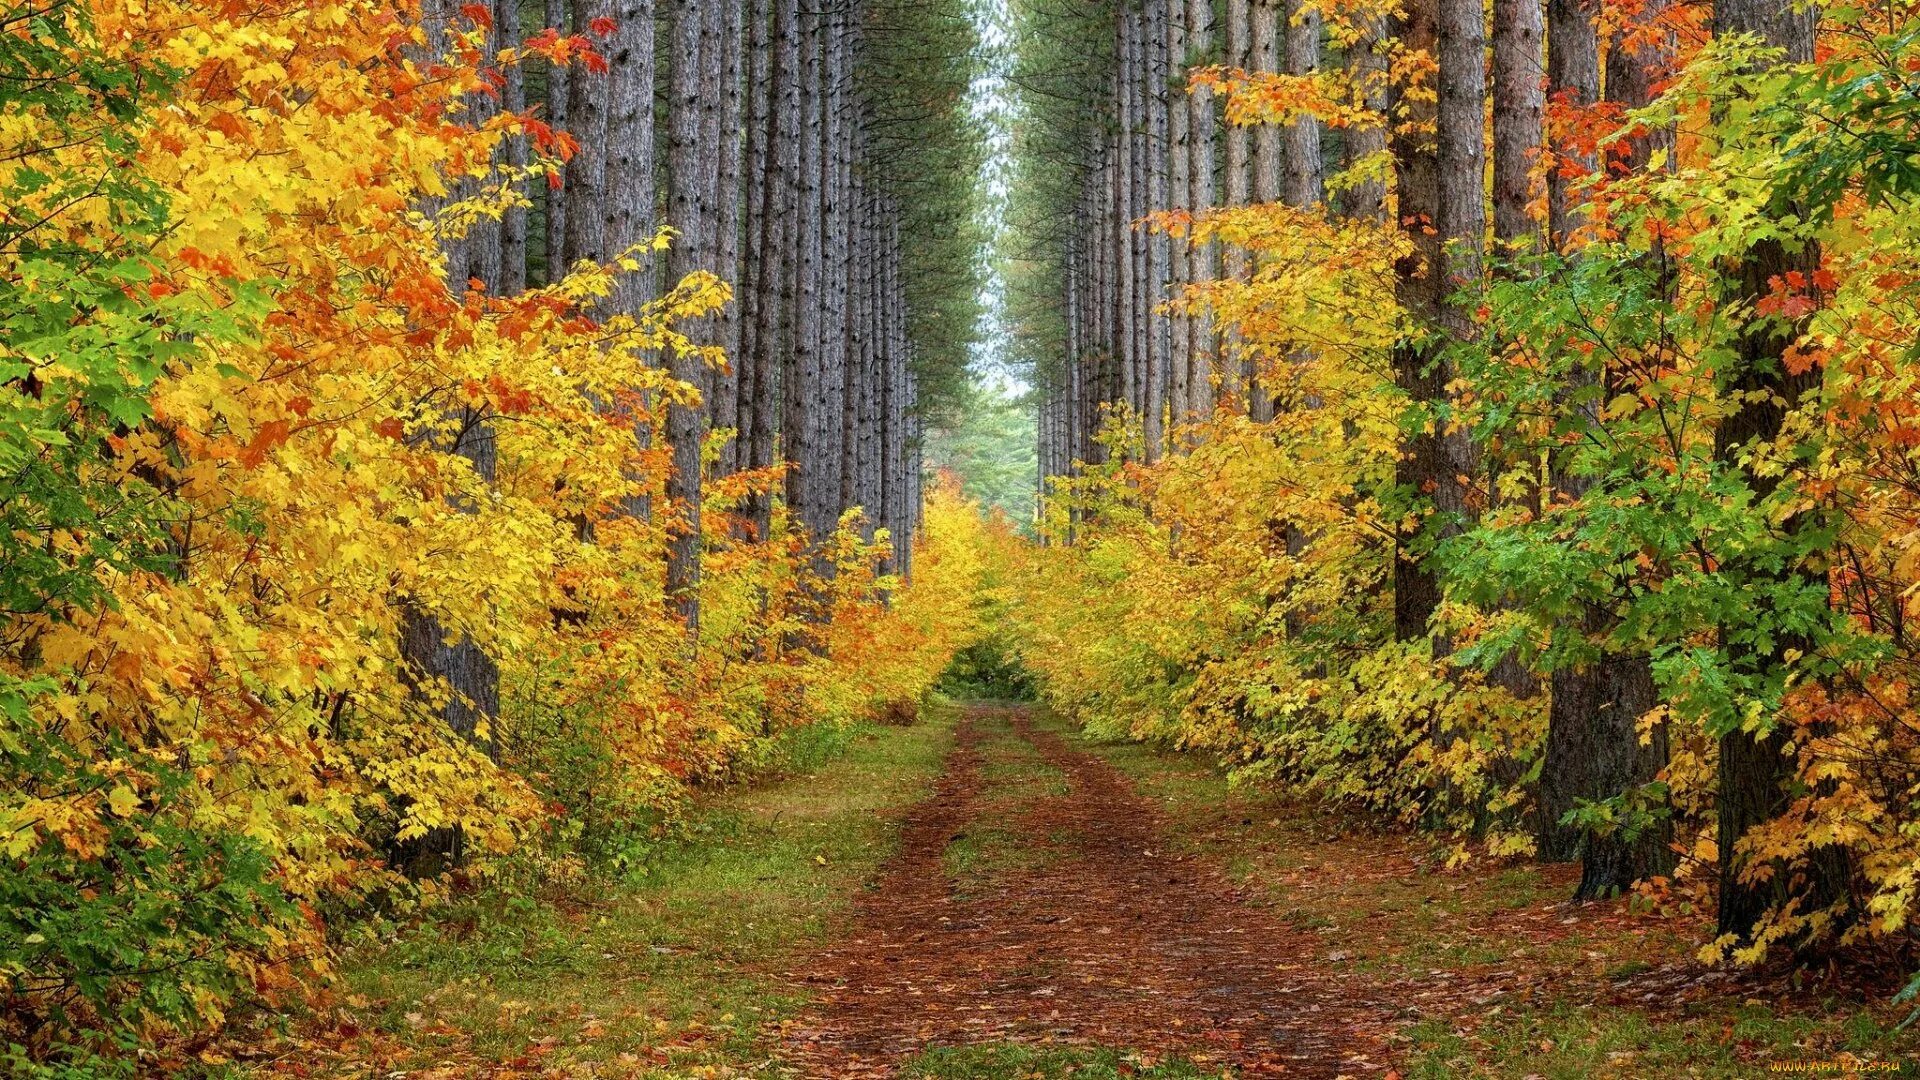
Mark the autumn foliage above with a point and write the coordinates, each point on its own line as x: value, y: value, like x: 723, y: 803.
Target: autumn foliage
x: 1666, y: 461
x: 231, y: 372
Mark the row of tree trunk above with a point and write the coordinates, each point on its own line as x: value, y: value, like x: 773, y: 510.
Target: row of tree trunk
x: 741, y: 126
x: 1147, y: 146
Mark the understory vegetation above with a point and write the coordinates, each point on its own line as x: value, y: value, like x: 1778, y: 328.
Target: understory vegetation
x: 373, y: 541
x: 1524, y: 460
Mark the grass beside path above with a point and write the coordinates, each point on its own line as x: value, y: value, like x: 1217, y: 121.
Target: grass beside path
x: 1495, y: 974
x: 671, y: 973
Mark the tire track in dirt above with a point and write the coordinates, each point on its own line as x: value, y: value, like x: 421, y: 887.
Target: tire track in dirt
x: 1108, y: 939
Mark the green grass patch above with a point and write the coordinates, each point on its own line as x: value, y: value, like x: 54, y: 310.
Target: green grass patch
x: 1381, y: 911
x: 1569, y: 1041
x: 675, y: 967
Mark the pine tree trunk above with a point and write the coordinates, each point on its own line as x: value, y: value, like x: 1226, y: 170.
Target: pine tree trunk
x: 1180, y: 195
x: 513, y: 95
x: 1304, y: 180
x: 727, y: 203
x: 1593, y: 747
x: 692, y: 184
x: 1153, y: 50
x: 626, y: 214
x: 1573, y: 79
x: 448, y: 675
x: 1126, y: 339
x: 1519, y: 104
x: 586, y: 180
x: 749, y: 299
x: 1265, y: 48
x: 1230, y: 362
x: 1579, y: 694
x: 1367, y: 70
x: 1418, y: 277
x: 554, y: 200
x: 1201, y: 124
x: 773, y: 335
x: 800, y: 372
x: 1757, y: 771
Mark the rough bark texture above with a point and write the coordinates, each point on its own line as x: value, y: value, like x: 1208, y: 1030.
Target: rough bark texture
x: 1418, y: 284
x: 1367, y: 68
x: 1518, y: 114
x: 1201, y: 338
x: 1237, y: 179
x: 587, y: 111
x: 1756, y: 771
x: 1573, y: 80
x: 1180, y: 196
x: 773, y: 337
x: 1594, y: 751
x: 1304, y: 179
x: 448, y: 673
x: 554, y: 200
x: 800, y: 371
x: 691, y: 187
x: 627, y: 211
x: 1578, y: 693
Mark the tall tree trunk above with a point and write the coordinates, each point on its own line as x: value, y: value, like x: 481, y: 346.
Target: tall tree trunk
x: 749, y: 299
x: 773, y: 335
x: 626, y: 213
x: 1579, y: 694
x: 727, y: 201
x: 1758, y: 770
x: 1201, y: 342
x: 1238, y: 178
x: 1126, y: 339
x: 1367, y: 70
x: 1573, y: 80
x: 446, y: 673
x: 554, y: 200
x: 692, y: 185
x: 586, y: 178
x: 1267, y: 15
x: 1265, y: 46
x: 1419, y: 286
x: 1304, y: 179
x: 1594, y: 751
x: 1519, y: 103
x: 1153, y: 49
x: 800, y: 370
x: 513, y: 98
x: 1180, y: 152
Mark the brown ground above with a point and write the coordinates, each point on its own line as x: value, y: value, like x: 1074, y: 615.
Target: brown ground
x: 1104, y: 937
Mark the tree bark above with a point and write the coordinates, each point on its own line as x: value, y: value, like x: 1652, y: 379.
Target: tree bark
x: 1519, y: 103
x: 1180, y: 251
x: 1418, y: 284
x: 1573, y: 80
x: 554, y: 200
x: 1201, y: 338
x: 587, y: 110
x: 692, y: 185
x: 1593, y: 749
x: 1757, y: 769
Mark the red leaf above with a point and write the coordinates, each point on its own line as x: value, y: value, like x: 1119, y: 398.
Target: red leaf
x: 602, y: 27
x: 479, y: 13
x: 271, y: 434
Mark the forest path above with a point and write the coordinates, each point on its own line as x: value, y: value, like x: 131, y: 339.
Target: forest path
x: 1037, y: 902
